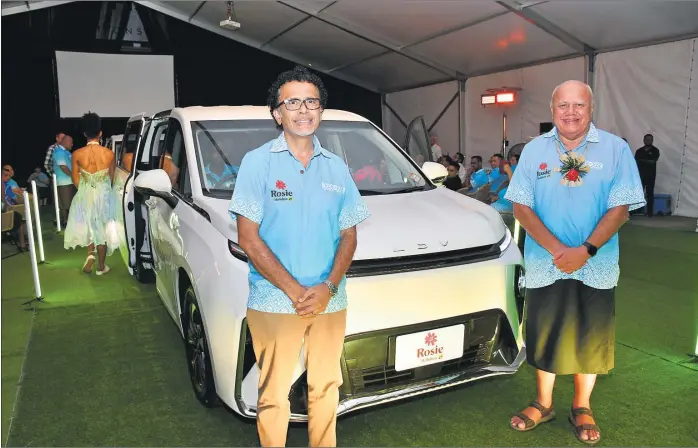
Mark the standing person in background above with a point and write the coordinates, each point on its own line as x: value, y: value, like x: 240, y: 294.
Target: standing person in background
x: 48, y: 161
x: 572, y: 190
x: 646, y: 158
x: 62, y: 166
x: 462, y: 171
x: 436, y: 152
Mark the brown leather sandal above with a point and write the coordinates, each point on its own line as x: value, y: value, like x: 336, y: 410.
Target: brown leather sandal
x: 547, y: 414
x: 579, y: 429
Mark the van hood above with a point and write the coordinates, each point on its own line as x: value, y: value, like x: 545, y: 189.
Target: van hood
x: 406, y: 224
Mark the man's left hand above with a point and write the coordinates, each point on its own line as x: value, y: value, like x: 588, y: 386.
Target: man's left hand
x: 571, y: 259
x: 314, y: 301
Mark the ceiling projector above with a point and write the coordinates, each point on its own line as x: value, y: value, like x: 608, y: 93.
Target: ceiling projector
x: 230, y: 24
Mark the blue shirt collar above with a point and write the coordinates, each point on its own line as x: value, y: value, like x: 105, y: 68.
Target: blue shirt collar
x: 280, y: 145
x: 592, y: 135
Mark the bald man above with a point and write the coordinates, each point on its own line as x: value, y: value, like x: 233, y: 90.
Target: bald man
x: 572, y: 191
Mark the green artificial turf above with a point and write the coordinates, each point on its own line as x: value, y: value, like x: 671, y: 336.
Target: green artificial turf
x: 106, y: 367
x: 16, y: 324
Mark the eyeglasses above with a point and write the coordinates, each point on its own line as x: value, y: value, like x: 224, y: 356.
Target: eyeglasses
x: 295, y: 103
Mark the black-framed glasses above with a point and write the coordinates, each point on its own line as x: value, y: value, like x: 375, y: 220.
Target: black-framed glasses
x: 295, y: 103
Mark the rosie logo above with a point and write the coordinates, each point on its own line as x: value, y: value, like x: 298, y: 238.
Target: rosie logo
x: 433, y: 351
x: 281, y: 193
x: 543, y: 171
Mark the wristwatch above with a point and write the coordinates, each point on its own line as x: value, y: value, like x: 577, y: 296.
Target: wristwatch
x: 591, y: 249
x: 333, y: 288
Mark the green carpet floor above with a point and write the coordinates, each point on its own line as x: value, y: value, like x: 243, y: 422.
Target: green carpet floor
x: 105, y: 367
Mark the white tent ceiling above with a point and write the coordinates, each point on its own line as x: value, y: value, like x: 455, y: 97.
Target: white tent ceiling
x: 393, y: 45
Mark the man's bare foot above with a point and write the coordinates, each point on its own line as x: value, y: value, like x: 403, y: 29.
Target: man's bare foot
x: 531, y: 412
x: 585, y: 425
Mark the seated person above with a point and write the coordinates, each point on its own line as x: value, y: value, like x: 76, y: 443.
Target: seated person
x: 367, y: 174
x: 8, y: 200
x: 16, y: 192
x: 499, y: 175
x: 216, y: 170
x: 478, y: 179
x: 127, y: 161
x: 167, y: 164
x: 501, y: 204
x: 43, y: 183
x: 453, y: 181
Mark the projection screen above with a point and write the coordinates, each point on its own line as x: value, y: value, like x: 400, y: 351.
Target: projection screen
x: 114, y: 85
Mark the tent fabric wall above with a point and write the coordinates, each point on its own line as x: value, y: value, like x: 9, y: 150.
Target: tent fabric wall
x: 646, y: 90
x: 484, y: 124
x: 430, y: 102
x: 687, y: 202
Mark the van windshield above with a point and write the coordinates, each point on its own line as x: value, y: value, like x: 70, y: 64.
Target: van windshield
x: 377, y: 165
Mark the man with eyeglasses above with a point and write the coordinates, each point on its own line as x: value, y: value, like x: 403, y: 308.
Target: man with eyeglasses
x: 297, y: 207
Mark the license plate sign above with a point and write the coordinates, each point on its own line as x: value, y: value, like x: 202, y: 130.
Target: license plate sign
x: 428, y: 347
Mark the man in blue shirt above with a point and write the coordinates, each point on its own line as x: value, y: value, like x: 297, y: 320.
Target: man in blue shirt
x: 297, y: 207
x: 572, y: 191
x: 15, y: 191
x: 62, y: 168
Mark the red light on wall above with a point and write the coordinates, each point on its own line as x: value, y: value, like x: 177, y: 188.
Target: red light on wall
x: 503, y: 98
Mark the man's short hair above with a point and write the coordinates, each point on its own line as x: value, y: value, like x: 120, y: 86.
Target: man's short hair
x: 454, y: 164
x: 498, y: 155
x: 478, y: 158
x: 298, y: 74
x: 587, y: 86
x: 648, y: 135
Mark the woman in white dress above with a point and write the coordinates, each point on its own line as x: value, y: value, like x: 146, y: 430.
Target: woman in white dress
x: 92, y: 218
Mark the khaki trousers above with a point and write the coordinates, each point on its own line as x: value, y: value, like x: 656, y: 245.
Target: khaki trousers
x: 277, y: 339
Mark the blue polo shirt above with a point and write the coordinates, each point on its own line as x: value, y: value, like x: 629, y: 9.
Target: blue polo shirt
x: 572, y: 213
x: 300, y: 212
x: 61, y: 156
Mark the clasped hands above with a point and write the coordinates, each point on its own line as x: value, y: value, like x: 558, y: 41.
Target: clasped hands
x: 312, y: 301
x: 570, y: 259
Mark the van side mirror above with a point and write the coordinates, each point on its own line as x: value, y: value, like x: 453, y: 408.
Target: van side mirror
x: 156, y: 183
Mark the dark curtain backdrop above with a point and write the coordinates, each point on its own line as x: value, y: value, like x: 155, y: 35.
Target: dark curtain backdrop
x: 210, y: 70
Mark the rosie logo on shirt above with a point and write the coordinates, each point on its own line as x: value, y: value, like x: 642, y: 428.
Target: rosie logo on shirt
x: 281, y: 193
x: 543, y: 171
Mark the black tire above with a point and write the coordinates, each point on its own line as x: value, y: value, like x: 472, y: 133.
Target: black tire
x: 197, y: 352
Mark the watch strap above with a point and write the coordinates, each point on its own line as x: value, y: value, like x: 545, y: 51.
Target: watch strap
x: 591, y: 249
x: 333, y: 288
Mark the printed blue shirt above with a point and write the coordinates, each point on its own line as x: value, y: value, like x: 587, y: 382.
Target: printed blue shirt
x: 14, y: 197
x: 572, y: 213
x: 10, y: 196
x: 62, y: 157
x: 300, y: 212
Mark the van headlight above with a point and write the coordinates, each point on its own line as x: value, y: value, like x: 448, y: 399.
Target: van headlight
x: 506, y: 241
